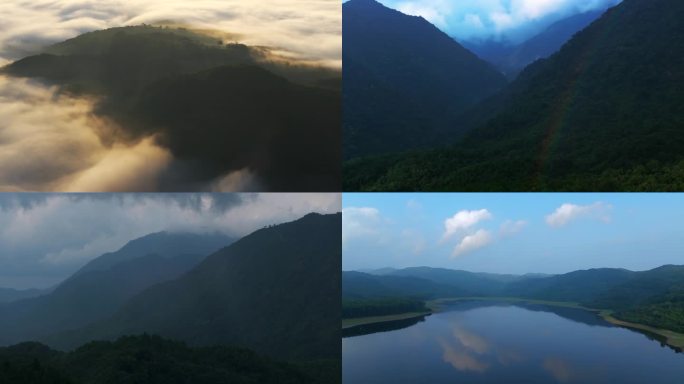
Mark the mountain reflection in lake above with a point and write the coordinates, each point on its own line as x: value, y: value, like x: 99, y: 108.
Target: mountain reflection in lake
x: 480, y: 342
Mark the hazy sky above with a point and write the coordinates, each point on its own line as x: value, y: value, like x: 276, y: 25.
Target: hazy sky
x: 485, y: 19
x: 46, y: 237
x: 307, y: 29
x: 513, y: 233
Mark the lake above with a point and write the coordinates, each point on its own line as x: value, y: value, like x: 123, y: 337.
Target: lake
x: 484, y: 342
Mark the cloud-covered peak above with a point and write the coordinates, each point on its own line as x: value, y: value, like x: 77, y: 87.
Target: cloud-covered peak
x: 45, y: 237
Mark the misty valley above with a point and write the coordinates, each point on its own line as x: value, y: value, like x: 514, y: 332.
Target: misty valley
x: 591, y: 102
x: 186, y: 307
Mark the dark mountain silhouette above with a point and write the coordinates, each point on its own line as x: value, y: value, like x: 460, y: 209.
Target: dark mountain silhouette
x: 604, y: 113
x: 219, y: 108
x: 265, y: 123
x: 404, y: 80
x: 103, y: 285
x: 276, y: 291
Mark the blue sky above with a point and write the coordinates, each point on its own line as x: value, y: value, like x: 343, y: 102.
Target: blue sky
x: 513, y: 20
x: 512, y: 233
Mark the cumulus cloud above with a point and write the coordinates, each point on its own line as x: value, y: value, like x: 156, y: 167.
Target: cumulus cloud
x: 308, y: 30
x: 486, y: 19
x: 473, y: 242
x: 569, y: 212
x: 463, y: 220
x: 359, y: 222
x: 45, y: 237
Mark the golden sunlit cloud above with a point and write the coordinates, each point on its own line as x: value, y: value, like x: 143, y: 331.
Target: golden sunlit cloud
x: 50, y: 141
x: 307, y: 30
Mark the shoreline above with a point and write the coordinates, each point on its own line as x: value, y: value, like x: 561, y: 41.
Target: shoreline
x: 356, y: 321
x: 673, y: 339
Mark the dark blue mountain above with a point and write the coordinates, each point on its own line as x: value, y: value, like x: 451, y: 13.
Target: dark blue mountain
x: 404, y: 79
x: 103, y: 285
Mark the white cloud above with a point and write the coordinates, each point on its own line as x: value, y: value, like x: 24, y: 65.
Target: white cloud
x: 462, y: 221
x: 569, y: 212
x: 473, y: 242
x: 510, y: 227
x: 360, y: 222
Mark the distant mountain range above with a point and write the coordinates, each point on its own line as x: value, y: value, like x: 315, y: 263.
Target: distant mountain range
x: 603, y: 113
x: 99, y: 288
x: 8, y: 295
x: 513, y: 58
x: 654, y: 297
x: 404, y: 80
x: 217, y: 107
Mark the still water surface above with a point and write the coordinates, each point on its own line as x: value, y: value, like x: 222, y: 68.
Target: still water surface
x: 480, y: 342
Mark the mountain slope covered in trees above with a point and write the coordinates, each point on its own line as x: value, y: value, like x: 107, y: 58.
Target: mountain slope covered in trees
x: 404, y: 80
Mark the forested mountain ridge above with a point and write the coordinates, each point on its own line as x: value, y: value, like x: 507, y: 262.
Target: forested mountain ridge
x: 276, y: 291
